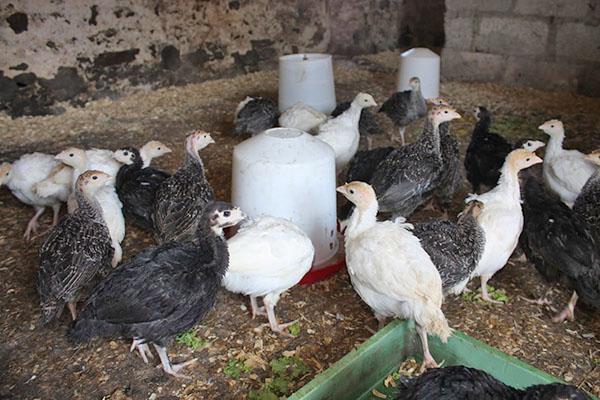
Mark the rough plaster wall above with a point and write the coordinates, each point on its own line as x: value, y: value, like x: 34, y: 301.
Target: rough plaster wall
x: 549, y: 44
x: 80, y: 49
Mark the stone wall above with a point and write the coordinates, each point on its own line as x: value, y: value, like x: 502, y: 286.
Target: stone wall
x: 549, y: 44
x: 76, y: 50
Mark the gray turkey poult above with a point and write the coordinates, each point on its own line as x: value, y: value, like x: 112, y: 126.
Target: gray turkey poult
x: 454, y: 248
x: 406, y: 107
x: 254, y: 115
x: 163, y: 291
x: 180, y: 199
x: 75, y: 251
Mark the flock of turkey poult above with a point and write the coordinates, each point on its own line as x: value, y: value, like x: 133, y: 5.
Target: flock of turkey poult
x: 397, y: 268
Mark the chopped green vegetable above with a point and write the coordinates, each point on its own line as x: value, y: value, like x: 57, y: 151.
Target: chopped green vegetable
x: 191, y: 340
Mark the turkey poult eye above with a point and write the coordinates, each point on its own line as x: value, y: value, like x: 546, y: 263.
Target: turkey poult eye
x: 351, y: 191
x: 551, y: 126
x: 227, y: 213
x: 527, y: 159
x: 94, y: 177
x: 71, y: 155
x: 125, y: 153
x: 158, y: 148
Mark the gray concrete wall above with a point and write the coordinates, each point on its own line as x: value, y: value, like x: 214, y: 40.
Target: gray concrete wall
x: 75, y: 50
x: 548, y: 44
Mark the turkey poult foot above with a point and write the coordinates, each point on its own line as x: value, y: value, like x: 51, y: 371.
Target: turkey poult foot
x: 484, y: 292
x: 542, y: 301
x: 396, y: 139
x: 380, y: 321
x: 32, y: 225
x: 273, y: 324
x: 256, y: 310
x: 142, y: 348
x: 569, y: 310
x: 172, y: 369
x: 428, y: 361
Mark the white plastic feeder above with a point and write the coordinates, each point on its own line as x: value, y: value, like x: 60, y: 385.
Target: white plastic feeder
x: 290, y: 174
x: 424, y: 64
x: 307, y: 78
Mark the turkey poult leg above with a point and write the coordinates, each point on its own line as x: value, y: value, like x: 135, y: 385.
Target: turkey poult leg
x: 428, y: 361
x: 276, y: 326
x: 142, y: 348
x: 484, y: 292
x: 73, y: 309
x: 569, y: 311
x: 32, y: 225
x: 380, y: 321
x: 256, y: 310
x: 172, y: 369
x: 56, y: 213
x: 395, y: 139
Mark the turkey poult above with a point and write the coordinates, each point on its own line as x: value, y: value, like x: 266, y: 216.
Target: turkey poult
x: 136, y: 186
x: 390, y: 270
x: 587, y: 205
x: 163, y: 291
x: 254, y: 115
x: 21, y: 178
x: 406, y: 107
x: 302, y: 116
x: 57, y: 185
x: 565, y: 171
x: 454, y: 248
x: 501, y: 217
x: 107, y: 196
x: 463, y: 383
x: 181, y: 198
x: 406, y: 177
x: 561, y: 245
x: 367, y: 125
x: 75, y: 251
x: 151, y: 150
x: 342, y: 133
x: 267, y: 256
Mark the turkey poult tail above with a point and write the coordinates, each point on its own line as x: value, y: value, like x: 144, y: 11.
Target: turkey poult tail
x: 434, y: 322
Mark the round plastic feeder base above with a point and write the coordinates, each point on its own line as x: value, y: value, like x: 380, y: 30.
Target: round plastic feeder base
x: 326, y: 269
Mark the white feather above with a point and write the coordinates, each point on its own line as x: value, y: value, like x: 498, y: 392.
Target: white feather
x: 301, y: 116
x: 26, y: 172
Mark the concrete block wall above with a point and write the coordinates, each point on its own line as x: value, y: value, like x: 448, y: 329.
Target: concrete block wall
x: 76, y: 50
x: 549, y: 44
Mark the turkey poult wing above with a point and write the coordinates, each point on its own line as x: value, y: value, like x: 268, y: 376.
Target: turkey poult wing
x: 73, y: 253
x: 397, y: 107
x: 178, y: 206
x: 450, y: 177
x: 562, y: 170
x: 137, y: 191
x: 257, y: 115
x: 150, y: 296
x: 402, y: 182
x: 560, y: 244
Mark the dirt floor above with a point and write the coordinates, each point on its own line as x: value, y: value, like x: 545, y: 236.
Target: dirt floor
x: 235, y: 353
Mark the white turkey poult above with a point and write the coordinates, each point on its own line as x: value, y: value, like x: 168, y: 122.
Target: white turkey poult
x: 390, y: 270
x: 112, y: 212
x: 302, y: 116
x: 267, y: 256
x: 342, y: 132
x: 21, y: 178
x: 502, y: 217
x: 565, y: 171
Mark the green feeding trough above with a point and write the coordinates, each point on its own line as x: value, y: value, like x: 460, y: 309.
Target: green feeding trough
x: 364, y: 369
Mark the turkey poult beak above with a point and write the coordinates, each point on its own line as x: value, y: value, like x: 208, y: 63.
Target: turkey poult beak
x: 537, y: 159
x: 342, y: 189
x: 167, y: 149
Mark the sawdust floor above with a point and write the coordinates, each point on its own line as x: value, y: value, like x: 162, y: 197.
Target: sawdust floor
x: 40, y: 363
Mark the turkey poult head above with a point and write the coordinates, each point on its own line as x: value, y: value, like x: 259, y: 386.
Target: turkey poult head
x: 126, y: 155
x: 360, y: 194
x: 437, y: 101
x: 414, y: 83
x: 553, y: 128
x: 481, y: 112
x: 533, y: 145
x: 196, y: 141
x: 364, y: 100
x: 90, y: 181
x: 442, y: 114
x: 593, y: 157
x: 72, y: 157
x: 154, y: 149
x: 5, y: 169
x: 223, y: 215
x: 520, y: 159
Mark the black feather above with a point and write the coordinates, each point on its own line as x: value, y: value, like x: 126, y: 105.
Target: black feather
x: 136, y: 187
x: 405, y: 107
x: 257, y: 115
x: 587, y: 205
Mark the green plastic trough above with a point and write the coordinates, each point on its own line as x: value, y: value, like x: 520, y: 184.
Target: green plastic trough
x: 364, y: 369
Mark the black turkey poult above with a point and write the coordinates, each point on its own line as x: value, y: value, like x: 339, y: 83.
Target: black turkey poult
x: 137, y: 186
x: 406, y: 107
x: 181, y: 198
x: 75, y: 251
x: 587, y: 204
x: 163, y: 291
x: 254, y: 115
